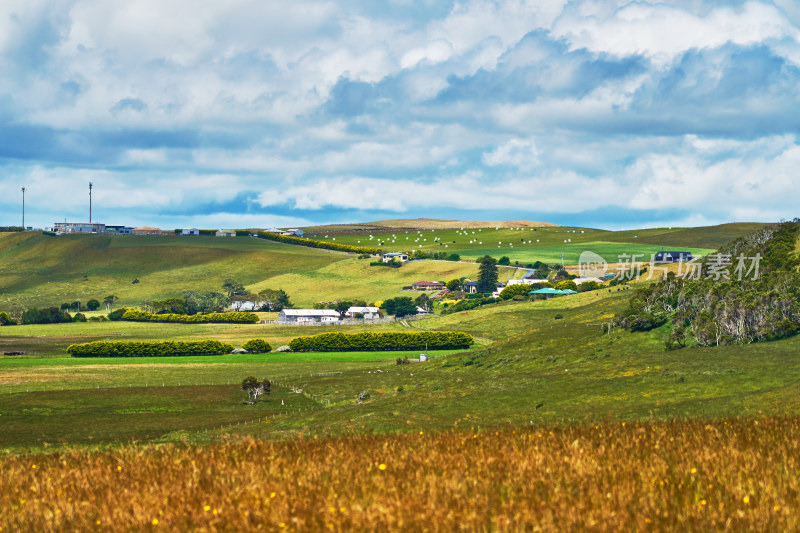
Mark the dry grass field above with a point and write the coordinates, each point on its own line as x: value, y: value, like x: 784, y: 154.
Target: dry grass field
x: 727, y: 475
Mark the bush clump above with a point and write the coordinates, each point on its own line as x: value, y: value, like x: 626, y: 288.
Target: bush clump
x: 387, y: 341
x: 257, y: 346
x: 148, y: 349
x: 117, y: 314
x: 6, y: 320
x: 48, y: 315
x: 236, y: 317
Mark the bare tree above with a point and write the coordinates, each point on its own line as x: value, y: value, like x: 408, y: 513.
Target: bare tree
x: 255, y: 388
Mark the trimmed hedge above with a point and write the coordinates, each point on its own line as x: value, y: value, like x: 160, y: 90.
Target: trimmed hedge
x: 257, y: 346
x: 237, y: 317
x: 148, y: 349
x: 312, y: 243
x: 388, y: 341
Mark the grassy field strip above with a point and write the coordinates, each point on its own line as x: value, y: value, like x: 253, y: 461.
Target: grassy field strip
x: 732, y: 474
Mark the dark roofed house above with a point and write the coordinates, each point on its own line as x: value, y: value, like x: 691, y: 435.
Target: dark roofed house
x: 672, y: 257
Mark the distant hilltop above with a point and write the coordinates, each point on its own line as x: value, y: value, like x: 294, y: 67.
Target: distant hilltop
x: 437, y: 223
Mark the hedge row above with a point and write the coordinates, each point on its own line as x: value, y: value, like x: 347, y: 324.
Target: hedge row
x: 312, y: 243
x: 389, y: 341
x: 237, y: 317
x: 148, y: 349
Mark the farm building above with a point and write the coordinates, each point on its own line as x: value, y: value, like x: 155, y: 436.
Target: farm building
x: 307, y: 316
x: 427, y: 286
x: 226, y: 233
x: 294, y: 232
x: 391, y: 256
x: 190, y: 231
x: 370, y: 313
x: 146, y: 230
x: 470, y: 287
x: 672, y: 257
x: 246, y: 305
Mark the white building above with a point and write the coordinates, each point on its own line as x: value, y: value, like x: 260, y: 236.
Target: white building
x: 226, y: 233
x: 78, y: 227
x: 370, y: 313
x: 391, y: 256
x: 294, y: 232
x: 190, y: 231
x: 307, y: 316
x: 526, y: 281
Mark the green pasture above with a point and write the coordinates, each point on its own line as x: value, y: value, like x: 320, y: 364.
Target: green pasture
x: 530, y: 367
x: 528, y: 245
x: 37, y: 269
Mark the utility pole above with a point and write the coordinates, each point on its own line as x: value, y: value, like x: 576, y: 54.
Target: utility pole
x: 90, y: 202
x: 23, y: 209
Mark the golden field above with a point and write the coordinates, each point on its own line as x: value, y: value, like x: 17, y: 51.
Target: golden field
x: 728, y: 475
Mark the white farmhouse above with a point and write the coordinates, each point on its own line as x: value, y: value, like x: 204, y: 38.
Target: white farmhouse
x: 307, y: 316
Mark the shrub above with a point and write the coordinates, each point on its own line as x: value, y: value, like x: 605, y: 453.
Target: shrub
x: 135, y: 315
x: 387, y: 341
x: 148, y: 349
x: 93, y: 305
x: 257, y: 346
x: 566, y: 284
x: 116, y: 314
x: 79, y: 317
x: 510, y: 291
x: 6, y: 320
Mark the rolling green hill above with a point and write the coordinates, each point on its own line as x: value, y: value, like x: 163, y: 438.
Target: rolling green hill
x: 531, y: 244
x: 37, y: 269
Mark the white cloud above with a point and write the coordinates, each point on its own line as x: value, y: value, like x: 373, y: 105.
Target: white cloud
x: 516, y: 152
x: 662, y: 31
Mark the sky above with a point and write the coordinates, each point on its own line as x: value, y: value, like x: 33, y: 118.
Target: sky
x: 253, y: 113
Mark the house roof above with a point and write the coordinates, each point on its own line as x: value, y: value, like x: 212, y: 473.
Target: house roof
x: 363, y: 310
x: 310, y: 312
x: 393, y: 254
x: 429, y: 283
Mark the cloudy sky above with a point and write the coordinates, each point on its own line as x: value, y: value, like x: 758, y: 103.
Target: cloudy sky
x: 249, y: 113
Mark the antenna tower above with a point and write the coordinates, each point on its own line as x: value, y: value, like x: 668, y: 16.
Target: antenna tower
x: 90, y: 202
x: 23, y: 209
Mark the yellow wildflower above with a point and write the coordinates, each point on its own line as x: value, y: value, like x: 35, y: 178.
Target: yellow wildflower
x: 206, y: 508
x: 155, y: 521
x: 381, y: 466
x: 746, y: 499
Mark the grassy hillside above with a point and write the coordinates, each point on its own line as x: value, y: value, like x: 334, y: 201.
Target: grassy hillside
x: 37, y: 269
x: 528, y: 245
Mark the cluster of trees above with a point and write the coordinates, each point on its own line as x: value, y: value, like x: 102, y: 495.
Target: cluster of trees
x: 386, y: 341
x: 712, y: 312
x: 400, y: 306
x: 92, y: 304
x: 312, y: 243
